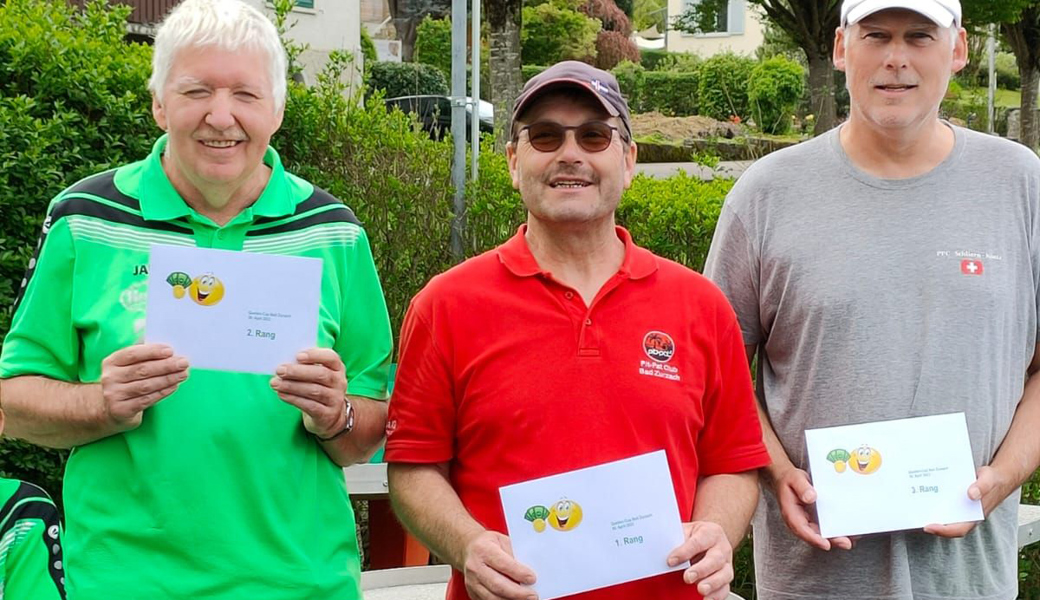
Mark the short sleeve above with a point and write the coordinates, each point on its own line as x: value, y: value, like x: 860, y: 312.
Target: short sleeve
x: 731, y: 441
x: 33, y: 568
x: 43, y: 339
x: 365, y: 342
x: 733, y: 265
x: 421, y: 423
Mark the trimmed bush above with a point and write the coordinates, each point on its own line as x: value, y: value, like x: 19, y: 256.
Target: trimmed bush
x: 529, y: 71
x: 674, y: 217
x: 723, y: 86
x: 672, y: 94
x: 551, y: 33
x: 680, y: 62
x: 630, y: 77
x: 774, y: 89
x: 650, y: 58
x: 406, y: 79
x: 612, y: 47
x: 433, y: 44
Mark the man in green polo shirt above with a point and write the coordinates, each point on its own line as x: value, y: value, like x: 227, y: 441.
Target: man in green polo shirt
x: 193, y: 483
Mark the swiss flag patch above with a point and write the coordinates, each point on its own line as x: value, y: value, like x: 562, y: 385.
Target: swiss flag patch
x: 971, y: 267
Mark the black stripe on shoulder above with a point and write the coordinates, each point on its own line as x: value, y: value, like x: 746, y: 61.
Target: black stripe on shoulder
x: 317, y: 199
x: 89, y: 208
x: 37, y: 505
x: 104, y: 185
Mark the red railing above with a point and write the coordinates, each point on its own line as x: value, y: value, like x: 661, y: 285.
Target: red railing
x: 147, y: 12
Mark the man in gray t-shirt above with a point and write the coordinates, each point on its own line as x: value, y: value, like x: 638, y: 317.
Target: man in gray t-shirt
x: 888, y: 269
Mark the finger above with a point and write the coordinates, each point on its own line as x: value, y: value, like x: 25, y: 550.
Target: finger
x: 803, y: 490
x: 798, y: 522
x: 328, y: 397
x: 711, y: 562
x: 844, y: 543
x: 714, y: 581
x: 322, y: 356
x: 139, y: 352
x: 130, y: 408
x: 312, y: 373
x: 694, y: 545
x: 316, y: 410
x: 150, y: 369
x: 135, y: 390
x: 508, y: 566
x: 954, y: 530
x: 720, y: 594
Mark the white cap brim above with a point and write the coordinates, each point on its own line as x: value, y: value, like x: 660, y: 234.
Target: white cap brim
x: 937, y: 13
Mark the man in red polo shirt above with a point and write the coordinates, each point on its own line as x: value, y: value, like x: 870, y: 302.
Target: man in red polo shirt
x: 566, y: 347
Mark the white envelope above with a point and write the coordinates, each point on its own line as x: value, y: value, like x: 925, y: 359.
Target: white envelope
x: 232, y: 311
x: 595, y: 527
x: 892, y: 475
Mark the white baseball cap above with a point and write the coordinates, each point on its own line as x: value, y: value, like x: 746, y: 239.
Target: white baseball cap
x: 943, y: 12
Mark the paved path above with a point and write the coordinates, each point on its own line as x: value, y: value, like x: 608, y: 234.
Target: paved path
x: 724, y: 169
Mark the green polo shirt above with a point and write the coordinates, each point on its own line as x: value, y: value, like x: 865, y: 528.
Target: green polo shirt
x: 220, y: 493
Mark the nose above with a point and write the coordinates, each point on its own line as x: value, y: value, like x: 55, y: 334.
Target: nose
x: 570, y: 151
x: 220, y: 115
x: 896, y: 58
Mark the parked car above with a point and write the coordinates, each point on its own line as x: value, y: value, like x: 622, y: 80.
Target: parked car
x: 434, y: 112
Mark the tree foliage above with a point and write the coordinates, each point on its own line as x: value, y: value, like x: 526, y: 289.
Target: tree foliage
x: 554, y: 31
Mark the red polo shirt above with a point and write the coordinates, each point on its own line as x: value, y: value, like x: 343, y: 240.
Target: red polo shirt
x: 507, y: 375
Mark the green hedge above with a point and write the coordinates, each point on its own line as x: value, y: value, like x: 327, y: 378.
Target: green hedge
x: 774, y: 89
x: 671, y: 93
x: 723, y: 86
x: 406, y: 79
x: 529, y: 71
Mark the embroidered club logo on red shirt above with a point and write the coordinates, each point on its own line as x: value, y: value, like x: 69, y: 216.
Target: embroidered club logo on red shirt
x: 658, y: 346
x: 971, y: 267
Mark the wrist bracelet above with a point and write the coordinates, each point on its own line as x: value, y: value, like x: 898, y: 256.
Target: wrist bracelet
x: 348, y: 410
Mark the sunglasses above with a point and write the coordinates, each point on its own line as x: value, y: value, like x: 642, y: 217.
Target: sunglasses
x: 547, y: 136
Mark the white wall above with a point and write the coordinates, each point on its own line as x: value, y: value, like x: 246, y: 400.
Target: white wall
x: 330, y: 25
x: 744, y: 37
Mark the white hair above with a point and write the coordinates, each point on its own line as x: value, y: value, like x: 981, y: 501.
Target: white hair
x: 953, y: 31
x: 227, y: 24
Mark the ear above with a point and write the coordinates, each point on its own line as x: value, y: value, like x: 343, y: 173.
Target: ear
x: 630, y: 163
x: 514, y: 169
x: 838, y: 55
x: 278, y: 119
x: 960, y: 51
x: 158, y: 112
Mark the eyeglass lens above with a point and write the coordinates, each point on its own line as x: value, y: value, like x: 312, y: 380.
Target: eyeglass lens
x: 594, y: 136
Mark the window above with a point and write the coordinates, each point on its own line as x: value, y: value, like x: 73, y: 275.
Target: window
x: 305, y: 3
x: 729, y: 16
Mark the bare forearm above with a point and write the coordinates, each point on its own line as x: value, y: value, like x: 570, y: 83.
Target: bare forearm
x: 54, y: 413
x: 728, y: 500
x: 428, y: 507
x: 1019, y: 453
x: 362, y: 442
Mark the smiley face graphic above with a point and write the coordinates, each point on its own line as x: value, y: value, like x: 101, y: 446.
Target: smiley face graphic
x: 206, y: 290
x: 565, y: 515
x: 865, y: 460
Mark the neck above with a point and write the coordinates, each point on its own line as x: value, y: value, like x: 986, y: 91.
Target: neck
x: 219, y: 203
x: 582, y: 256
x: 897, y: 153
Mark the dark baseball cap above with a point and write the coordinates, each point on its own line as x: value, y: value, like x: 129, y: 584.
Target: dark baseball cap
x: 571, y: 73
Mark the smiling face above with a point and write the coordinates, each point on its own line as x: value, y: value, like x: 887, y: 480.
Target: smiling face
x: 570, y: 185
x: 218, y: 108
x: 206, y: 290
x: 865, y: 460
x: 565, y: 515
x: 898, y: 65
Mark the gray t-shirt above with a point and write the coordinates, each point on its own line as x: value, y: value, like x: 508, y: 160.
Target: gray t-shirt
x: 875, y: 299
